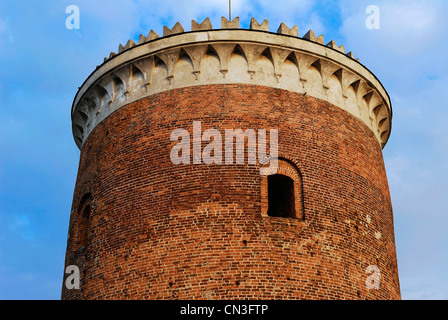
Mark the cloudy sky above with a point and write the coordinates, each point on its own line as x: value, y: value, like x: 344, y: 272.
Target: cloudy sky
x: 42, y: 63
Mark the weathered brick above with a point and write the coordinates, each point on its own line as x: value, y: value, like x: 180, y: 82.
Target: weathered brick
x: 165, y: 231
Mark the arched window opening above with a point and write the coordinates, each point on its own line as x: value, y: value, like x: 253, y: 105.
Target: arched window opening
x: 83, y: 227
x: 282, y: 191
x: 83, y: 222
x: 281, y: 196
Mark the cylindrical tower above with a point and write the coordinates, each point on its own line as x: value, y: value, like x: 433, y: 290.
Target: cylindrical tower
x: 154, y: 218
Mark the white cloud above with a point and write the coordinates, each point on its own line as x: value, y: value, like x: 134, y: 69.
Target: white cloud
x: 154, y: 15
x: 315, y: 23
x: 5, y: 33
x: 2, y: 26
x: 422, y: 291
x: 22, y: 226
x: 286, y: 9
x: 114, y: 23
x: 407, y: 27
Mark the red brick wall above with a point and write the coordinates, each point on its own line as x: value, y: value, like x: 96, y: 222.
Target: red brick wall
x: 165, y: 231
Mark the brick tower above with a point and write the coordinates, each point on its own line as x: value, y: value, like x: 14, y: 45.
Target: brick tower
x: 320, y: 226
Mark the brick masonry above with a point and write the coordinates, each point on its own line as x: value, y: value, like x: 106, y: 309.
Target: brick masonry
x: 164, y: 231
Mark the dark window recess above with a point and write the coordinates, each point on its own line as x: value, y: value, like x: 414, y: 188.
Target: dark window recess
x: 281, y: 196
x: 83, y: 227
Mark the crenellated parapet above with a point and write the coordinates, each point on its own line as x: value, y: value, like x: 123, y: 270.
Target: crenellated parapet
x: 231, y: 55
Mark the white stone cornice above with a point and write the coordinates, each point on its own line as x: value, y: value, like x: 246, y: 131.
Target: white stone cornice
x: 280, y: 60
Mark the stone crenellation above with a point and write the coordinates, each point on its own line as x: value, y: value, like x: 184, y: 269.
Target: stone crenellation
x: 232, y: 55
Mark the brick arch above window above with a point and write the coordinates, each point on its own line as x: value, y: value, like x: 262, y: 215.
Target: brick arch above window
x: 286, y: 168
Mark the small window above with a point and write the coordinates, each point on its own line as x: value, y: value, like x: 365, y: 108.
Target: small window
x: 83, y: 227
x: 83, y: 222
x: 281, y: 202
x: 282, y: 191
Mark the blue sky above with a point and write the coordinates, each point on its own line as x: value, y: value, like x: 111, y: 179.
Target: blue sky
x: 42, y: 63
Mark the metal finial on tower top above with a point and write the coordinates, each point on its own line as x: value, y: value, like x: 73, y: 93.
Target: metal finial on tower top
x: 230, y: 10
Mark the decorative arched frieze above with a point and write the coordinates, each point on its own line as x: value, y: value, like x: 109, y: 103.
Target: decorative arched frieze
x: 256, y: 56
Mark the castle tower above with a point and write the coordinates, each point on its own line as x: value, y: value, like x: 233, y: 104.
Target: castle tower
x: 319, y: 226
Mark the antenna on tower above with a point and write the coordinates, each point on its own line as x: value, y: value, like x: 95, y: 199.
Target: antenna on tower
x: 230, y: 10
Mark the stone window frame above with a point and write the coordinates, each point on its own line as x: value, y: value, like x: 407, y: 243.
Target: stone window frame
x: 287, y: 168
